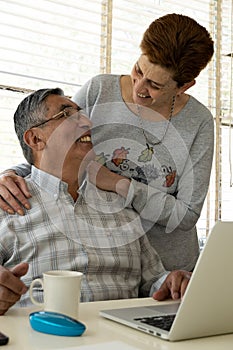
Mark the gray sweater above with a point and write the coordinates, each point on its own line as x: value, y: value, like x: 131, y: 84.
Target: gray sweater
x: 169, y: 181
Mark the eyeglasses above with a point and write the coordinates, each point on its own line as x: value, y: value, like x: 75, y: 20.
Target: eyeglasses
x: 65, y: 113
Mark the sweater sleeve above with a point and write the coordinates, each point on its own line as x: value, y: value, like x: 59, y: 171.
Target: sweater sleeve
x: 22, y: 170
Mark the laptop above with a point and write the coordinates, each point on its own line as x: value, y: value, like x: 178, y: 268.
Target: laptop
x: 207, y: 306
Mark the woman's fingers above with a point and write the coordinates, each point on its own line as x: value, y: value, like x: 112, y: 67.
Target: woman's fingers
x: 14, y: 193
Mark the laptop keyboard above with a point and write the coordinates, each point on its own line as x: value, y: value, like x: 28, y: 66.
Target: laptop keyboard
x: 163, y: 322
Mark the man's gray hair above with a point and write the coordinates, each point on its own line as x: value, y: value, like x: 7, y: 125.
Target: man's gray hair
x: 32, y: 111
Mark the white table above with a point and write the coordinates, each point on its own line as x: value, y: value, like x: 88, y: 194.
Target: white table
x: 100, y: 334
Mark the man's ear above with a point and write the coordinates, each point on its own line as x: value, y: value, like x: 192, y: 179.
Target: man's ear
x: 34, y: 139
x: 186, y: 86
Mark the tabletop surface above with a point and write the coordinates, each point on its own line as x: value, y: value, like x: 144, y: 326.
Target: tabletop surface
x: 100, y: 334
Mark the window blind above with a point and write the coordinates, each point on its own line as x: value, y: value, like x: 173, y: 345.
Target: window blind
x: 51, y: 43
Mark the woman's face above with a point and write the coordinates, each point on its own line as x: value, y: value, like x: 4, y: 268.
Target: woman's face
x: 153, y: 85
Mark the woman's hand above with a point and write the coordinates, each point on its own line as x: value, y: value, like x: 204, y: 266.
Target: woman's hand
x: 104, y: 179
x: 13, y: 193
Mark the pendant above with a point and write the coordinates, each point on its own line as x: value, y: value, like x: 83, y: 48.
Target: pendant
x: 146, y: 154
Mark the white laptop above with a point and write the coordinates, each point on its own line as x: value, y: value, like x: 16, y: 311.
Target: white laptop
x: 207, y: 306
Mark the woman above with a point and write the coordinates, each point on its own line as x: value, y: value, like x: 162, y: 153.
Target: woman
x: 154, y: 140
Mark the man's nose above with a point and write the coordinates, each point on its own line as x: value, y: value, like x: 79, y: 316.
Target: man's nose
x: 84, y: 121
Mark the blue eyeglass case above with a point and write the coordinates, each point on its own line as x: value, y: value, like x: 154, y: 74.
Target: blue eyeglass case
x: 55, y: 323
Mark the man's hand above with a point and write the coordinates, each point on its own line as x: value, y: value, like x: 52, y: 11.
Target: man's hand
x: 13, y: 187
x: 11, y: 287
x: 174, y: 285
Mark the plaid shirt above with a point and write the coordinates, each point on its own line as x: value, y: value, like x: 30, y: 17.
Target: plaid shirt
x: 95, y: 235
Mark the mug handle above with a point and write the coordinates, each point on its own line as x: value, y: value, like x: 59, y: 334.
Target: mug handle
x: 36, y: 281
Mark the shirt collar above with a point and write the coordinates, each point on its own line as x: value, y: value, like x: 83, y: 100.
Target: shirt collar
x: 49, y: 183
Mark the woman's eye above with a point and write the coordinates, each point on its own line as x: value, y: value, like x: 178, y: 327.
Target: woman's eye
x: 137, y: 70
x: 155, y: 87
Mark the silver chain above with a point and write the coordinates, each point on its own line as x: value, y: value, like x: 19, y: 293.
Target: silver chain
x: 148, y: 142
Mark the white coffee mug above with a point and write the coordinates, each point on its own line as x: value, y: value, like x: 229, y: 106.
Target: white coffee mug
x: 61, y: 291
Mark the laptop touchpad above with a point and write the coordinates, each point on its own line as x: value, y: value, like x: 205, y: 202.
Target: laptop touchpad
x: 165, y: 309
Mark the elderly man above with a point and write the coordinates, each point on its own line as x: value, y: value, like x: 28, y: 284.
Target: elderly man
x: 71, y: 225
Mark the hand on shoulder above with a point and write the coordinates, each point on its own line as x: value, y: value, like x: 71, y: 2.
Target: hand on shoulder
x: 13, y: 193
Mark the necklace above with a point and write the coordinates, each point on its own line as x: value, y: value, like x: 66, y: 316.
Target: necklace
x: 148, y: 141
